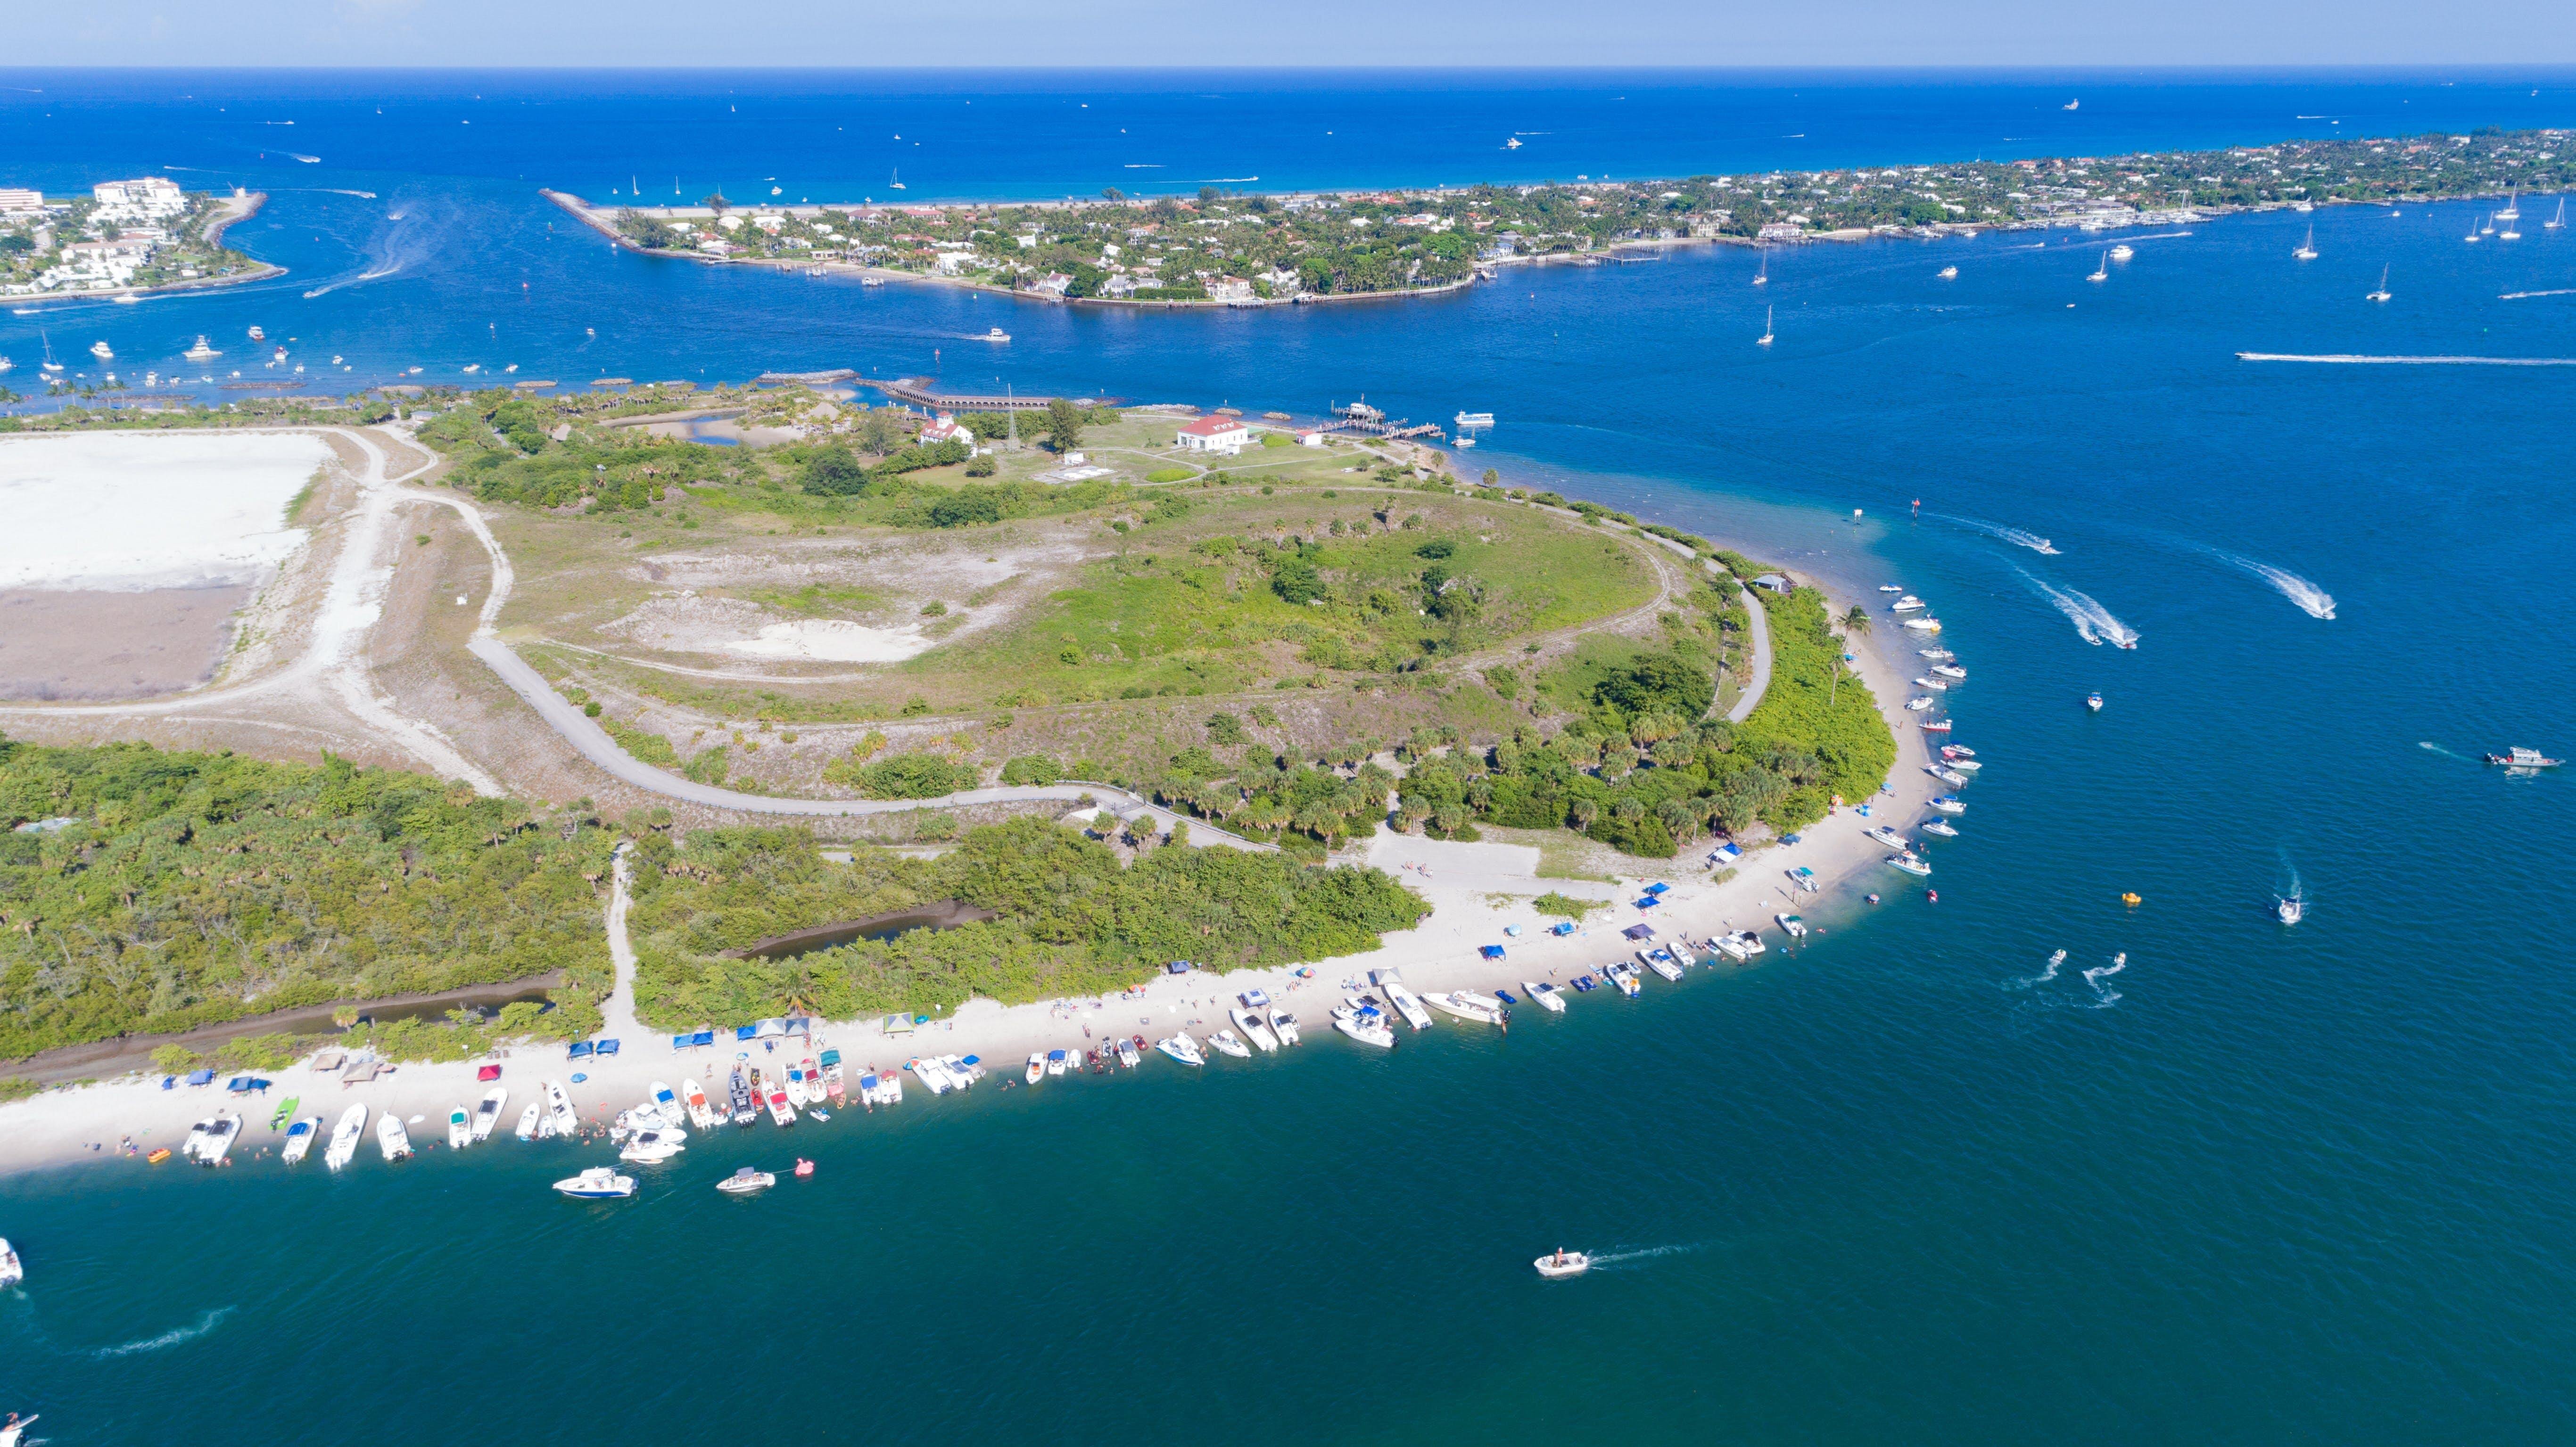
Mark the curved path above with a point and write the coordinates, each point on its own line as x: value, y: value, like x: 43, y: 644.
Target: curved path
x: 1761, y: 659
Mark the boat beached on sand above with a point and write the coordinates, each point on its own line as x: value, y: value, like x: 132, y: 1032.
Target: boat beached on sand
x: 391, y: 1138
x: 345, y: 1137
x: 299, y: 1139
x: 1548, y: 996
x: 488, y: 1114
x: 1182, y: 1048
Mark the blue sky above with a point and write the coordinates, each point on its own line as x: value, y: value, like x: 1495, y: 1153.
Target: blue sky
x: 876, y: 33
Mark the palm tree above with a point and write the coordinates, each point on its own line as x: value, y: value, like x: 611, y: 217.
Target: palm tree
x: 1857, y: 620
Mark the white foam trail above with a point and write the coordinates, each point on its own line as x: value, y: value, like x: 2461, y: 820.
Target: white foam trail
x: 2104, y: 996
x: 2314, y: 601
x: 2018, y: 537
x: 2092, y: 621
x: 2445, y: 753
x: 308, y: 160
x: 171, y: 1338
x: 2352, y: 360
x: 2042, y: 978
x: 2519, y: 295
x: 368, y: 275
x: 1641, y: 1254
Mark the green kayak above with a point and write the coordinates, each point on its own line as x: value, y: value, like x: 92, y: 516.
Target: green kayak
x: 285, y: 1112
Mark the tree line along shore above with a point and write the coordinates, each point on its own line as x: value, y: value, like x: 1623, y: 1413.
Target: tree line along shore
x: 145, y: 891
x: 1220, y: 248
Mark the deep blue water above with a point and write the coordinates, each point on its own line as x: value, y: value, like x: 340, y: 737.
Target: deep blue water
x: 2263, y: 1185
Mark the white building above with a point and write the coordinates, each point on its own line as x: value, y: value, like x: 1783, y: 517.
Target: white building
x: 946, y: 428
x: 141, y: 199
x: 19, y: 201
x: 1229, y: 288
x: 1227, y: 435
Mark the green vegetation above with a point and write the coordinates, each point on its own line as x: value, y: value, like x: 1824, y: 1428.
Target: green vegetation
x: 1565, y: 906
x: 1815, y: 709
x: 903, y: 776
x: 1070, y: 919
x: 198, y: 888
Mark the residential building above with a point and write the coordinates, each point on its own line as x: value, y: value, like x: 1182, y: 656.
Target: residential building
x: 148, y: 196
x: 1229, y: 288
x: 19, y: 201
x: 1225, y: 435
x: 946, y: 428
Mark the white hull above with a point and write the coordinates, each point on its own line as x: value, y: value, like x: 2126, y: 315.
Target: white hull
x: 1182, y: 1048
x: 1254, y: 1031
x: 1549, y: 997
x: 391, y: 1138
x: 345, y: 1138
x: 488, y: 1114
x: 559, y: 1110
x: 299, y: 1139
x: 528, y: 1119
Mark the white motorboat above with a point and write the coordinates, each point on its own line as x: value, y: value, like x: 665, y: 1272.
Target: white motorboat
x: 1732, y: 947
x: 345, y: 1137
x: 299, y: 1139
x: 933, y: 1074
x: 1181, y: 1048
x: 1935, y: 725
x: 102, y: 351
x: 1907, y: 604
x: 196, y: 1140
x: 1917, y: 704
x: 559, y: 1109
x: 1948, y: 805
x: 1965, y: 766
x: 797, y: 1095
x: 2123, y: 252
x: 460, y: 1128
x: 1957, y: 751
x: 1558, y: 1265
x: 1934, y: 684
x: 599, y: 1183
x: 1365, y: 1026
x: 1406, y: 1004
x: 12, y: 1270
x: 996, y: 334
x: 1911, y: 863
x: 652, y: 1147
x: 220, y: 1133
x: 666, y: 1103
x: 1950, y: 671
x: 1253, y: 1030
x: 1942, y: 827
x: 1751, y: 943
x: 1229, y: 1043
x: 1795, y: 927
x: 1889, y: 588
x: 2291, y: 910
x: 391, y: 1138
x: 1548, y: 996
x: 702, y: 1113
x: 2093, y: 702
x: 1623, y: 977
x: 1947, y: 776
x: 201, y: 352
x: 488, y: 1113
x: 1949, y: 273
x: 1129, y: 1057
x: 1923, y: 625
x: 1936, y: 655
x: 781, y: 1109
x: 1037, y: 1066
x: 529, y: 1120
x: 1661, y: 962
x: 1284, y: 1025
x: 1886, y: 836
x: 1058, y: 1061
x: 747, y: 1182
x: 16, y: 1429
x: 1453, y: 1003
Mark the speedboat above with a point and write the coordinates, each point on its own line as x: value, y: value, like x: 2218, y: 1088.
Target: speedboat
x: 781, y: 1109
x: 1181, y: 1048
x: 1935, y: 655
x: 529, y: 1119
x: 2524, y: 759
x: 345, y: 1137
x: 1731, y: 947
x: 746, y: 1182
x: 933, y: 1074
x: 1935, y: 726
x: 1467, y: 1007
x: 2093, y: 701
x: 460, y: 1128
x: 1231, y: 1044
x: 1889, y: 588
x: 1796, y: 927
x: 667, y: 1105
x: 1253, y: 1030
x: 17, y: 1425
x: 1918, y: 704
x: 2291, y: 910
x: 1805, y: 879
x: 1037, y: 1066
x: 299, y: 1139
x: 1751, y: 942
x: 1284, y: 1025
x: 1885, y: 835
x: 1924, y: 625
x: 12, y: 1270
x: 216, y: 1139
x: 1364, y: 1025
x: 1623, y: 977
x: 694, y: 1096
x: 559, y: 1110
x: 1911, y: 863
x: 1056, y: 1061
x: 1950, y: 671
x: 1942, y: 827
x: 1549, y: 997
x: 1661, y: 962
x: 1934, y: 684
x: 102, y: 351
x: 1955, y: 752
x: 1556, y: 1266
x: 2122, y: 252
x: 1907, y: 604
x: 1948, y: 805
x: 599, y: 1183
x: 391, y: 1138
x: 1947, y: 776
x: 1129, y: 1057
x: 997, y: 335
x: 797, y: 1095
x: 1965, y: 766
x: 1406, y: 1004
x: 1949, y: 273
x: 744, y: 1106
x: 488, y: 1114
x: 201, y: 352
x: 257, y: 335
x: 652, y: 1147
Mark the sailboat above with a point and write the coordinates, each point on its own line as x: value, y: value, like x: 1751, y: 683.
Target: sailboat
x: 1764, y: 340
x: 2307, y: 249
x: 1762, y: 273
x: 51, y: 367
x: 2102, y: 272
x: 2489, y: 228
x: 2556, y: 222
x: 2512, y: 207
x: 894, y: 181
x: 2508, y: 233
x: 2382, y: 293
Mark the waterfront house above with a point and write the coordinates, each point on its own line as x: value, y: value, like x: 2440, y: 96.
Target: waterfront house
x: 1774, y: 583
x: 1229, y: 289
x: 1310, y: 437
x: 1225, y: 435
x: 945, y: 428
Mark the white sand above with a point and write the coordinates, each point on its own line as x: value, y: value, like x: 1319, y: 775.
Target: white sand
x: 833, y: 640
x: 128, y: 511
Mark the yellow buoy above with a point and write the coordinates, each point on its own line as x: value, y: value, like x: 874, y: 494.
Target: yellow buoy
x: 2131, y: 899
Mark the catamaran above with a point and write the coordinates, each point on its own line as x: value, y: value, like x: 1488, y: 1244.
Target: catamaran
x: 345, y: 1137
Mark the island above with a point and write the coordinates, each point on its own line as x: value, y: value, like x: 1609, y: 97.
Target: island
x: 125, y: 239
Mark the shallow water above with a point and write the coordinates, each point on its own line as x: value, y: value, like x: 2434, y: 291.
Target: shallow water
x: 1905, y: 1184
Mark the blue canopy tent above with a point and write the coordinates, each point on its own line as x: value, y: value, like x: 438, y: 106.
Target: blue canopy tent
x: 607, y: 1047
x: 1657, y: 888
x: 769, y: 1029
x: 683, y: 1042
x: 578, y: 1049
x: 746, y: 1032
x: 1561, y: 927
x: 703, y: 1037
x: 1491, y: 952
x: 800, y: 1025
x: 1639, y: 932
x: 201, y: 1077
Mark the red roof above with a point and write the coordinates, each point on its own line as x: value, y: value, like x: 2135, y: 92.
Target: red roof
x: 1210, y: 426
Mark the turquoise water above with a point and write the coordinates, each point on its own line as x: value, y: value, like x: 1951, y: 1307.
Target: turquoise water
x: 2261, y: 1185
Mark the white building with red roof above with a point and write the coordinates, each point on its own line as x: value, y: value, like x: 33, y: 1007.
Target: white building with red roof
x: 945, y: 428
x: 1213, y: 433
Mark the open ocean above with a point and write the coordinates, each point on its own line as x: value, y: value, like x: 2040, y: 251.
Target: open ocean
x: 2262, y: 1185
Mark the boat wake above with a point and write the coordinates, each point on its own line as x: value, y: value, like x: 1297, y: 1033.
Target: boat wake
x: 308, y: 160
x: 2349, y: 359
x: 1644, y: 1253
x: 205, y: 1324
x: 2016, y: 536
x: 2314, y: 601
x: 2104, y: 997
x: 2520, y: 295
x: 2445, y: 753
x: 400, y: 251
x: 2043, y: 977
x: 2092, y: 621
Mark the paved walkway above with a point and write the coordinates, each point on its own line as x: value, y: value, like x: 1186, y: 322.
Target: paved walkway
x: 1761, y: 659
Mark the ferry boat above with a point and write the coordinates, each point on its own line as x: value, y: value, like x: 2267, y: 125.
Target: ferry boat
x: 391, y: 1138
x: 2524, y: 759
x: 1181, y: 1048
x: 345, y: 1137
x: 747, y: 1182
x: 1558, y: 1265
x: 2093, y: 702
x: 1794, y: 926
x: 1911, y: 863
x: 1253, y: 1030
x: 2291, y: 910
x: 1942, y: 827
x: 299, y: 1139
x: 1549, y: 997
x: 201, y: 352
x: 599, y: 1183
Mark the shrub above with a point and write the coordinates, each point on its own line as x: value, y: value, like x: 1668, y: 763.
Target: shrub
x: 1169, y: 474
x: 1564, y: 906
x: 1032, y: 769
x: 834, y: 472
x: 903, y: 776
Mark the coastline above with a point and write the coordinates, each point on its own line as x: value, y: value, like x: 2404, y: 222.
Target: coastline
x: 236, y: 210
